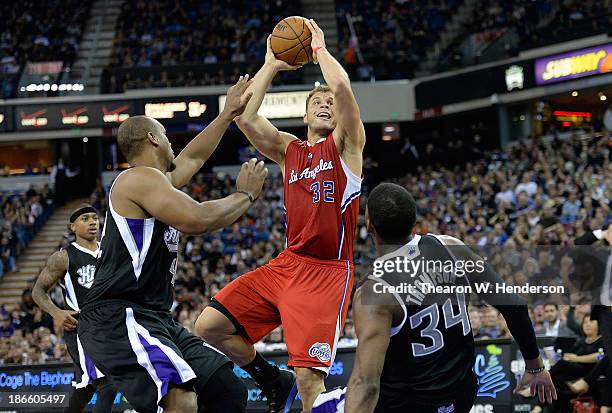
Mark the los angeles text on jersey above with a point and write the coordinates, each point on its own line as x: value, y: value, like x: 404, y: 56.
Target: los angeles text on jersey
x: 430, y: 288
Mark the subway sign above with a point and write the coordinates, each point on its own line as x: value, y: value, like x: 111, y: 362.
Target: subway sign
x: 572, y: 65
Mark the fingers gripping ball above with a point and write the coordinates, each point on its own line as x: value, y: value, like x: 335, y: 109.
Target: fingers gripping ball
x: 290, y: 41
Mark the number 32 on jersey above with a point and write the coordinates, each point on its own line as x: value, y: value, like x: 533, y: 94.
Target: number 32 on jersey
x: 325, y: 191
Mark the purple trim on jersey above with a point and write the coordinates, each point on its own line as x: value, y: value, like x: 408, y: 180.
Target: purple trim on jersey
x: 136, y: 226
x: 164, y: 368
x: 91, y: 369
x: 330, y: 406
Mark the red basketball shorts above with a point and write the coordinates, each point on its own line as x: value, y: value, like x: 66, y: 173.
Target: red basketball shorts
x: 308, y: 296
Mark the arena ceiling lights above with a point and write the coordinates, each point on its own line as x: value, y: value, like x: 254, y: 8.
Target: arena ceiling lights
x: 46, y: 87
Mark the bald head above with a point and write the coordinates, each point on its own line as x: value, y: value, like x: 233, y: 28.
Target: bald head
x: 133, y: 133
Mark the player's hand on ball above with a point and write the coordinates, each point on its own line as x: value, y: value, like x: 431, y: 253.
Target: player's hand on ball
x: 318, y: 39
x: 237, y: 97
x: 540, y: 384
x: 66, y: 320
x: 251, y: 177
x: 279, y: 65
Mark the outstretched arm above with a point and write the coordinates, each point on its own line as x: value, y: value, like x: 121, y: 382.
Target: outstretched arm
x: 147, y: 189
x: 350, y: 134
x: 514, y: 310
x: 264, y: 136
x: 192, y: 158
x: 372, y: 325
x: 54, y: 270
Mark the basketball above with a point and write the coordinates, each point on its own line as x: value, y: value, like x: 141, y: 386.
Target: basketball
x: 290, y: 41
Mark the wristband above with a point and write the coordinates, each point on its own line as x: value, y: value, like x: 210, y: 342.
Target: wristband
x: 248, y: 194
x: 536, y: 370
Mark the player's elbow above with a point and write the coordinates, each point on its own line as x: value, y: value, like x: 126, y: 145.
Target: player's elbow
x: 340, y: 84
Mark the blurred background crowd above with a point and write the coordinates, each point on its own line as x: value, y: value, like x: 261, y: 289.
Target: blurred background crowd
x: 534, y: 194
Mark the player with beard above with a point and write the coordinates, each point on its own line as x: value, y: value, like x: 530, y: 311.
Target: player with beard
x: 125, y: 324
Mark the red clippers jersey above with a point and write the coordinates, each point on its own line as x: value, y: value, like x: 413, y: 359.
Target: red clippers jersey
x: 321, y: 201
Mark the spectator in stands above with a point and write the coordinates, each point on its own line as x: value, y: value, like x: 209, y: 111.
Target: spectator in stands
x: 576, y: 363
x: 6, y: 327
x: 217, y: 36
x: 7, y: 256
x: 476, y: 323
x: 553, y: 325
x: 491, y: 327
x: 37, y: 32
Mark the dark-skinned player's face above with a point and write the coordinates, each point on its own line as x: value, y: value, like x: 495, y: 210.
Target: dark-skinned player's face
x: 320, y: 114
x: 86, y: 226
x: 165, y: 147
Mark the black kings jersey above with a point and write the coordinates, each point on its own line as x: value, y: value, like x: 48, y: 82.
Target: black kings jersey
x: 431, y: 351
x: 80, y: 275
x: 137, y: 261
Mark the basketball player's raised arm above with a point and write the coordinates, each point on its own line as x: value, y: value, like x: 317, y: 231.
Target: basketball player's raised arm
x: 349, y: 133
x: 372, y: 325
x: 192, y: 158
x: 262, y: 134
x: 53, y: 271
x: 149, y: 190
x: 514, y: 310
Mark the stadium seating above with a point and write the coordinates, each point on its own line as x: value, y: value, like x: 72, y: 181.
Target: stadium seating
x: 521, y: 25
x: 392, y: 36
x: 194, y: 43
x: 38, y: 31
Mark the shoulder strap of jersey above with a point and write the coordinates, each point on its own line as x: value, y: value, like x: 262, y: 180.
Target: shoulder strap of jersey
x: 411, y: 249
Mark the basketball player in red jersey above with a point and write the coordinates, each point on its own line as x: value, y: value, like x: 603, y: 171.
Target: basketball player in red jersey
x: 307, y: 287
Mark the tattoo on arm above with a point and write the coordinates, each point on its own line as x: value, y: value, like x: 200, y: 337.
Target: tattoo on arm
x: 54, y: 270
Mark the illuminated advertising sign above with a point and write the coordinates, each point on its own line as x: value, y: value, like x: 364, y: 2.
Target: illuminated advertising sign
x: 115, y: 112
x: 62, y: 116
x: 196, y: 109
x: 492, y: 367
x: 77, y: 115
x: 32, y: 117
x: 279, y: 105
x: 572, y: 65
x: 515, y: 77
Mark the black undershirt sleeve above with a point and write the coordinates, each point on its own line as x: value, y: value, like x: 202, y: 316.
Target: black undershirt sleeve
x: 511, y: 306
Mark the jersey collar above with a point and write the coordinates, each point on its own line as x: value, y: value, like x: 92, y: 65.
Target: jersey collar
x: 87, y: 251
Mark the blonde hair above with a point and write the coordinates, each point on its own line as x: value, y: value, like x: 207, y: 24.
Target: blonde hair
x: 318, y: 89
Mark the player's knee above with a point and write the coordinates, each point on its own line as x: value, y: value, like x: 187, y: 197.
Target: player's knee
x: 212, y: 326
x: 180, y: 401
x: 205, y: 328
x: 189, y: 403
x: 310, y: 381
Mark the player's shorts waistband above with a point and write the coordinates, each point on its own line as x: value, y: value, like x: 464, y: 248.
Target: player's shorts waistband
x: 119, y: 303
x: 317, y: 261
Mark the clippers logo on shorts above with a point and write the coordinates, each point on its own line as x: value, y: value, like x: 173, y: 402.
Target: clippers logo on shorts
x: 171, y: 238
x: 322, y: 351
x: 86, y: 275
x: 446, y: 409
